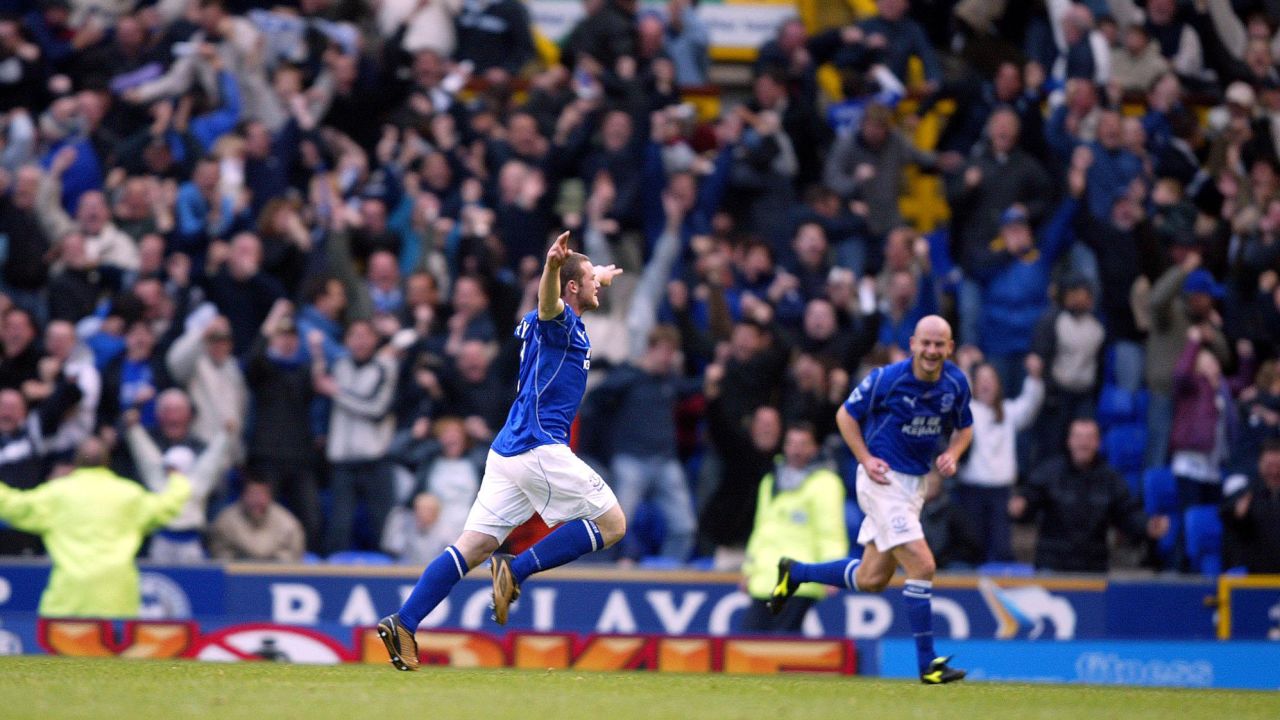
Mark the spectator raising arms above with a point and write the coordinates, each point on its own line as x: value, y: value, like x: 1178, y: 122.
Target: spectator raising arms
x: 987, y: 477
x: 92, y: 521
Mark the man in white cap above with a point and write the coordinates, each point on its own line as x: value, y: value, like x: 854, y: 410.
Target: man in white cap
x: 1239, y: 104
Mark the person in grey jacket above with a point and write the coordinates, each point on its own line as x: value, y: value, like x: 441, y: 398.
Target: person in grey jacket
x: 362, y: 387
x: 868, y: 165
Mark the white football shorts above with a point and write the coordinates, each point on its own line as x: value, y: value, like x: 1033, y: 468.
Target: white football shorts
x: 892, y: 511
x: 549, y: 480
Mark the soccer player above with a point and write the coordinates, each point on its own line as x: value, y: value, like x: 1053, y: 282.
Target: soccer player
x: 530, y: 467
x: 897, y: 423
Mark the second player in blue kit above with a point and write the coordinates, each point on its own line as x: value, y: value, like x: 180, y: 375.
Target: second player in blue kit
x: 900, y: 422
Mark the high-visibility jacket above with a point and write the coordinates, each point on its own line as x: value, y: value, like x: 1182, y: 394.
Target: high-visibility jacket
x: 805, y: 524
x: 92, y: 522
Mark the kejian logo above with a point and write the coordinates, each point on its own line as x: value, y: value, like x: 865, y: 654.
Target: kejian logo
x: 923, y: 426
x: 1103, y: 668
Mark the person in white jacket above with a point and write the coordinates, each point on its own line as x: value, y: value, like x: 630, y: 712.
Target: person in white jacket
x: 181, y: 540
x: 429, y: 24
x: 986, y: 479
x: 448, y: 483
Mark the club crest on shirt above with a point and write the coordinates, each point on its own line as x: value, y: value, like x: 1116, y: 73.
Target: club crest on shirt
x: 948, y: 402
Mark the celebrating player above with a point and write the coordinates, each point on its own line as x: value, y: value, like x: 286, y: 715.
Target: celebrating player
x: 896, y: 422
x: 530, y: 467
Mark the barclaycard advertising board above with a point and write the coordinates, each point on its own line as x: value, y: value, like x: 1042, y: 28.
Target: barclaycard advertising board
x: 670, y: 604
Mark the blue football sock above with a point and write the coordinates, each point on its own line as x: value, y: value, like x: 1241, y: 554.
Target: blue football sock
x: 837, y: 573
x: 565, y: 544
x: 917, y: 595
x: 437, y: 580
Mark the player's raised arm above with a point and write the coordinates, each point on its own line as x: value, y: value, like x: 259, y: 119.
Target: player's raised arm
x: 550, y: 304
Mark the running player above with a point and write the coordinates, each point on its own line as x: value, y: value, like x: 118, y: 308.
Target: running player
x: 901, y: 420
x: 530, y: 467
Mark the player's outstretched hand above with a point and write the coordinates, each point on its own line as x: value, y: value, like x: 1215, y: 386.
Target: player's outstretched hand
x: 947, y: 464
x: 878, y: 470
x: 606, y: 273
x: 559, y: 251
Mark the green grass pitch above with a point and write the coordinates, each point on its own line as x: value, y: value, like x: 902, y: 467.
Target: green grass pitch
x: 110, y: 689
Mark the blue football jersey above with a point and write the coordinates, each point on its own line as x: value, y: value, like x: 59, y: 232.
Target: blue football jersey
x: 908, y: 422
x: 554, y: 360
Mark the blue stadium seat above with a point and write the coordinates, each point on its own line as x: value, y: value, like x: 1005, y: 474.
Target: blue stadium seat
x: 1006, y: 569
x: 940, y: 258
x: 1117, y: 406
x: 1168, y: 546
x: 1109, y: 365
x: 658, y: 562
x: 1125, y: 445
x: 646, y: 529
x: 1159, y: 491
x: 1133, y: 479
x: 704, y: 564
x: 1204, y: 539
x: 310, y: 558
x: 360, y: 557
x: 1160, y: 497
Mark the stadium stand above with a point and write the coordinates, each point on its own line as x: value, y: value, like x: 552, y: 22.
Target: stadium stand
x: 181, y: 211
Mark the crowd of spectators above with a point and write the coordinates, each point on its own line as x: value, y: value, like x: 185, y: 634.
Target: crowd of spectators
x: 281, y: 248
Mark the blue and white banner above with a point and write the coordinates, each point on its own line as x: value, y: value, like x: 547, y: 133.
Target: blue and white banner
x: 963, y: 609
x: 670, y: 604
x: 1191, y: 664
x: 168, y: 593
